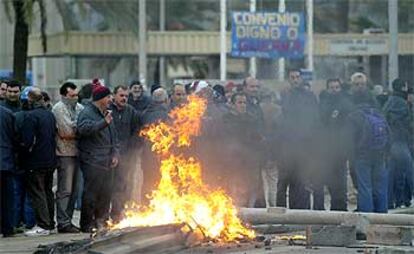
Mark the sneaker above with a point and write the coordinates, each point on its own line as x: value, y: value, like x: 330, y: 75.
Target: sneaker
x: 37, y: 231
x: 70, y: 229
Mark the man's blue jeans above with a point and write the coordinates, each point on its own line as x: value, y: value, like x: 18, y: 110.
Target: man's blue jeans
x: 372, y: 181
x: 23, y: 210
x: 401, y: 175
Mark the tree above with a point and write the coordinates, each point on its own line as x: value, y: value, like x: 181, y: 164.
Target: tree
x: 23, y: 19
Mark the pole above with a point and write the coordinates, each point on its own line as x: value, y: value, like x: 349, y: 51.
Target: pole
x: 253, y: 69
x: 309, y: 7
x: 223, y: 48
x: 281, y: 61
x: 142, y: 42
x: 162, y: 28
x: 393, y: 33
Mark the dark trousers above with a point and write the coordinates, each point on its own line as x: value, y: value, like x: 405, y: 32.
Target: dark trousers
x: 335, y: 179
x: 121, y: 188
x: 23, y: 209
x: 298, y: 195
x: 67, y: 189
x: 151, y: 174
x: 7, y: 202
x: 39, y: 187
x: 401, y: 175
x: 96, y: 196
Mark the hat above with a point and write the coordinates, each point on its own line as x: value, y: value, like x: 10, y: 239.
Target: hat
x: 229, y: 86
x: 99, y: 91
x: 398, y: 84
x: 24, y: 95
x: 135, y: 82
x: 155, y: 87
x: 198, y: 86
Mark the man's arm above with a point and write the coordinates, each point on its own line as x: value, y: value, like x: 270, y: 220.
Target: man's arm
x: 64, y: 124
x: 87, y: 126
x: 28, y: 133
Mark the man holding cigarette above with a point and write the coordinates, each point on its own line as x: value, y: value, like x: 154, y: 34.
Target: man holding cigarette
x: 99, y: 155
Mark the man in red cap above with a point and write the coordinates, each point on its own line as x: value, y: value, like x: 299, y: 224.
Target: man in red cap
x: 98, y: 152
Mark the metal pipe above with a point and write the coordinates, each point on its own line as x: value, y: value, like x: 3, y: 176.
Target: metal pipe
x: 281, y: 61
x: 253, y: 67
x: 162, y: 29
x: 308, y: 217
x: 393, y: 48
x: 142, y: 42
x: 223, y: 48
x: 309, y: 8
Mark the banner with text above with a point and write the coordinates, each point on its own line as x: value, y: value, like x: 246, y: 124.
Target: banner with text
x: 268, y: 35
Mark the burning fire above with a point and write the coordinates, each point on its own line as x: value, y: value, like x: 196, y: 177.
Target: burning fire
x: 181, y: 196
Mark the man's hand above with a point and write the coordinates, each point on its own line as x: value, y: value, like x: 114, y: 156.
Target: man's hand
x: 108, y: 117
x: 114, y: 162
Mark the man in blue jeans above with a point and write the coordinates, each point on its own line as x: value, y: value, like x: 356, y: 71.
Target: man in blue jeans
x: 369, y: 133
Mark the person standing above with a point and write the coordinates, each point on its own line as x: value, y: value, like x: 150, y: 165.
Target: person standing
x: 156, y: 111
x: 334, y: 109
x: 38, y: 139
x: 126, y: 122
x: 3, y: 89
x: 178, y: 95
x: 251, y: 88
x: 66, y: 112
x: 99, y: 154
x: 137, y: 97
x: 397, y: 112
x: 7, y: 156
x: 370, y: 136
x: 239, y: 149
x: 298, y: 125
x: 11, y: 100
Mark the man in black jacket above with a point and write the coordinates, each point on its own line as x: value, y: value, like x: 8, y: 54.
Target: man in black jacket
x: 38, y: 140
x: 397, y: 111
x: 7, y: 155
x: 335, y: 106
x: 137, y: 97
x: 11, y: 101
x: 126, y: 123
x: 297, y: 133
x: 98, y: 153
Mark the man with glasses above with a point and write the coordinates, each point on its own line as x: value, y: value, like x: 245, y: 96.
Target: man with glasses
x: 126, y: 124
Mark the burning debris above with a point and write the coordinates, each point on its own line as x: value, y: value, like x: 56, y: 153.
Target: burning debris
x: 181, y: 195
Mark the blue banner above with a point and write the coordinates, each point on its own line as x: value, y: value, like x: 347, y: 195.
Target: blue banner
x: 268, y: 35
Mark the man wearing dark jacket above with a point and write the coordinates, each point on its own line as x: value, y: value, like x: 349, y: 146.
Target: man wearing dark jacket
x: 299, y: 123
x: 156, y: 111
x: 334, y: 109
x: 39, y: 163
x: 251, y: 87
x: 11, y: 101
x: 240, y: 148
x: 126, y: 122
x: 397, y: 111
x: 7, y: 155
x: 99, y: 154
x: 369, y: 133
x: 137, y: 98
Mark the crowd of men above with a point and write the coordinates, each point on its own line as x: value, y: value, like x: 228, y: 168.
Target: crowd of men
x: 251, y: 137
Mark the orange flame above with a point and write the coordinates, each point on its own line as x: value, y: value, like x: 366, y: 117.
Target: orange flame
x: 181, y: 196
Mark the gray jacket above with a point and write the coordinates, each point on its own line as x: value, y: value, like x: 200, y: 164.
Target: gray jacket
x: 98, y: 141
